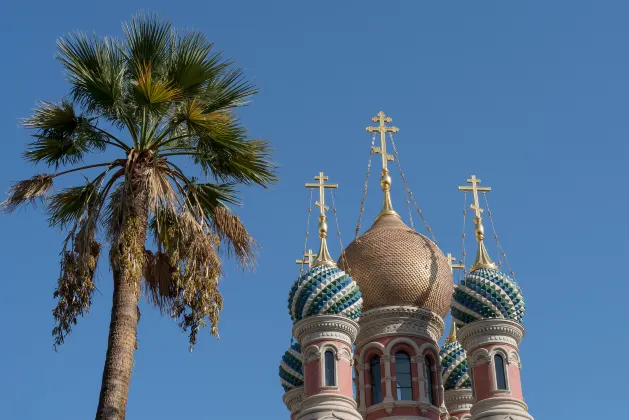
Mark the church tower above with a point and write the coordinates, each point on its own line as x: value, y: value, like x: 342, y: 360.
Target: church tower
x: 489, y: 306
x: 407, y: 290
x: 324, y: 304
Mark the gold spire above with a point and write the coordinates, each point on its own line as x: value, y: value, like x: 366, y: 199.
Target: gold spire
x: 452, y: 336
x: 482, y: 258
x: 323, y: 257
x: 385, y: 179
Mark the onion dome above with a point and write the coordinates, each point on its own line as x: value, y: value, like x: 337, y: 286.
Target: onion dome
x: 291, y: 368
x: 454, y: 364
x: 487, y: 293
x: 394, y: 265
x: 324, y: 290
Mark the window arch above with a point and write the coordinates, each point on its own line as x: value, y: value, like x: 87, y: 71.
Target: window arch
x: 376, y: 380
x: 403, y: 376
x: 428, y: 381
x: 501, y: 375
x: 330, y: 368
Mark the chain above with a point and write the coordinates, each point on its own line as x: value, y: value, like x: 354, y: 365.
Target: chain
x: 498, y: 246
x: 408, y: 190
x: 338, y: 232
x: 362, y: 202
x: 301, y: 269
x: 463, y: 252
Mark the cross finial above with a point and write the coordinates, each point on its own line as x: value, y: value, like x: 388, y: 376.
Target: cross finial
x: 321, y: 185
x: 482, y: 257
x: 385, y: 180
x: 323, y: 257
x: 308, y: 256
x: 453, y: 266
x: 475, y: 188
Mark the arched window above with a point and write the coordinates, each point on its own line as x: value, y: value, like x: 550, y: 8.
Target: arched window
x: 501, y: 377
x: 376, y: 380
x: 428, y: 376
x: 330, y: 373
x: 403, y: 376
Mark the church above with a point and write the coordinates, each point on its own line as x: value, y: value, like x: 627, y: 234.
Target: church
x: 366, y: 327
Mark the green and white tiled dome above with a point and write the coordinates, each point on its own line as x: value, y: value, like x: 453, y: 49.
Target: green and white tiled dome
x: 325, y: 290
x: 454, y: 366
x: 487, y: 293
x: 291, y: 368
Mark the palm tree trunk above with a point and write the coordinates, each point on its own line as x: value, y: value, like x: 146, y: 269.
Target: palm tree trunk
x: 127, y: 260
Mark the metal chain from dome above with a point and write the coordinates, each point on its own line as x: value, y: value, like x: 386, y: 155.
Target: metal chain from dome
x: 338, y: 232
x: 463, y: 252
x: 301, y: 269
x: 409, y: 192
x: 362, y: 202
x: 498, y: 245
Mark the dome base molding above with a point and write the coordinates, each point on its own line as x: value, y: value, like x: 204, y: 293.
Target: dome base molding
x: 490, y: 331
x: 399, y: 320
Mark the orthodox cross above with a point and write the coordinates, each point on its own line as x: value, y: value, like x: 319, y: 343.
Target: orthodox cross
x: 453, y: 266
x: 308, y: 257
x: 475, y: 188
x: 382, y: 119
x: 322, y: 186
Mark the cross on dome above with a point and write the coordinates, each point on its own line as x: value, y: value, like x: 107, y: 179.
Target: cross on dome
x: 482, y: 257
x: 308, y: 258
x: 323, y: 257
x: 385, y: 180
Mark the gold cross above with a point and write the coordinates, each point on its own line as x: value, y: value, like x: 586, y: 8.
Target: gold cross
x: 383, y: 129
x: 322, y: 186
x: 475, y: 188
x: 308, y: 257
x: 451, y: 260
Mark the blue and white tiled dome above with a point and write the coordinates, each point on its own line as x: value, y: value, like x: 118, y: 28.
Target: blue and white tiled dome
x: 325, y: 290
x: 291, y: 368
x: 487, y: 293
x: 454, y: 366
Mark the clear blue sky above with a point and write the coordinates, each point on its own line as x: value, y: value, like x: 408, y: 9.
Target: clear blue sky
x: 530, y: 96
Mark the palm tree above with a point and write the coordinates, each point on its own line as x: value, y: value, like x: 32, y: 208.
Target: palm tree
x: 154, y: 97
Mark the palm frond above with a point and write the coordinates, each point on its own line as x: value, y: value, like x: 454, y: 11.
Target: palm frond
x: 27, y: 190
x: 152, y: 92
x: 71, y: 203
x: 96, y: 69
x: 148, y: 44
x: 234, y: 234
x: 226, y: 91
x: 193, y: 65
x: 63, y: 137
x: 210, y: 196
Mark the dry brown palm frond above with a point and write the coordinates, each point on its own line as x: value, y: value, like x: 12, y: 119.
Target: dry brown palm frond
x: 161, y: 193
x: 189, y: 251
x: 75, y: 286
x: 232, y: 231
x: 27, y: 190
x: 158, y: 276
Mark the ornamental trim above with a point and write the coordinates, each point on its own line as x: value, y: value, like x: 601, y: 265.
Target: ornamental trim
x: 490, y: 331
x: 399, y: 320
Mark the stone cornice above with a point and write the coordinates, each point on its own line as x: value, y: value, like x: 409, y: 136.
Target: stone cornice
x: 399, y: 320
x: 490, y: 331
x: 293, y: 399
x: 325, y: 327
x: 457, y: 400
x: 501, y: 406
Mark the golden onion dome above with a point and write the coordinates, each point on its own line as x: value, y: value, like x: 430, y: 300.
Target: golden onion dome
x: 395, y: 266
